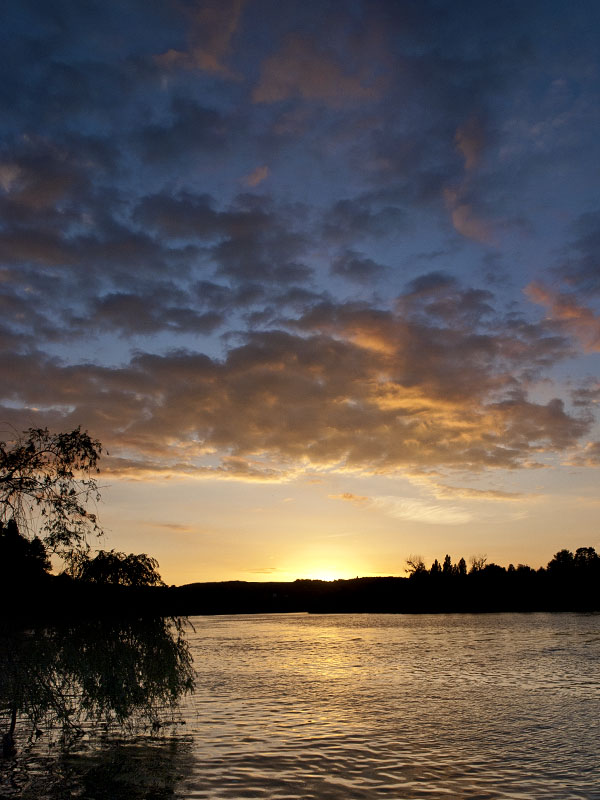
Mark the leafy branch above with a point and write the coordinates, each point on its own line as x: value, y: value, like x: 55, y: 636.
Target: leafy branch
x: 51, y: 475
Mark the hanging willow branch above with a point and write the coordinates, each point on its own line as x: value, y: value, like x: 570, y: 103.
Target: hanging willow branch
x: 46, y: 482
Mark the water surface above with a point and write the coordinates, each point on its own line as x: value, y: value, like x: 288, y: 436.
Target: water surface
x: 399, y: 706
x: 362, y: 706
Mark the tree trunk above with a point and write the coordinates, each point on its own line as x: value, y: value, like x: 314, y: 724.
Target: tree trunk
x: 8, y: 740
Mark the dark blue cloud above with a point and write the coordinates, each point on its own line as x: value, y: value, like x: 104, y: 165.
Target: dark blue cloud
x: 330, y: 188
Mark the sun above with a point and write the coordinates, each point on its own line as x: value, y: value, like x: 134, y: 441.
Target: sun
x: 324, y: 573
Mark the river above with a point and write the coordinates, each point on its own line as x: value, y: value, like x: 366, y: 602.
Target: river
x: 336, y: 707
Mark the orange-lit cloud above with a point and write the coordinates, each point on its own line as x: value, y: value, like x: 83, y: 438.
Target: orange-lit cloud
x: 470, y: 140
x: 466, y: 219
x: 257, y: 176
x: 212, y: 25
x: 231, y: 467
x: 578, y: 319
x: 357, y: 499
x: 465, y: 211
x: 410, y: 509
x: 588, y: 457
x: 430, y: 481
x: 469, y: 493
x: 346, y: 387
x: 301, y: 69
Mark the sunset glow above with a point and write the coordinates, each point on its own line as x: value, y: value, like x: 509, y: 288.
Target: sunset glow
x: 322, y: 277
x: 324, y: 574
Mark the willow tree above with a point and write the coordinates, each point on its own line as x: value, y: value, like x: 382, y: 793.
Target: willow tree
x: 47, y: 483
x: 92, y: 674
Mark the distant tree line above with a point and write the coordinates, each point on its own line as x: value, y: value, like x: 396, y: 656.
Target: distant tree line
x: 113, y: 582
x: 583, y: 564
x: 571, y: 580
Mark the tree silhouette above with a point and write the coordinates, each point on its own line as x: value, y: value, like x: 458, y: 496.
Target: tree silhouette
x: 586, y: 558
x: 114, y: 568
x: 583, y: 565
x: 46, y: 482
x: 415, y: 565
x: 122, y: 671
x: 477, y: 563
x: 562, y: 562
x: 21, y: 559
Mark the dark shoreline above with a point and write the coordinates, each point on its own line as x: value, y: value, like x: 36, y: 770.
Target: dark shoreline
x: 61, y: 597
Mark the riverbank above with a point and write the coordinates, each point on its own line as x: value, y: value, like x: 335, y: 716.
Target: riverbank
x: 60, y: 596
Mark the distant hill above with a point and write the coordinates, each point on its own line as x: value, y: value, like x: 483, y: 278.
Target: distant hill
x: 571, y: 582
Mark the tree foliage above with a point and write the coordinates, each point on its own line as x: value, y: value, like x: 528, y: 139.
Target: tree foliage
x: 571, y: 581
x: 122, y: 671
x: 415, y: 565
x: 47, y: 481
x: 20, y: 558
x: 112, y: 567
x: 584, y: 561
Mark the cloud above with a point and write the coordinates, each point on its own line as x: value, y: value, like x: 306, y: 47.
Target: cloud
x: 347, y: 387
x: 357, y: 218
x: 74, y: 274
x: 88, y: 249
x: 120, y: 218
x: 136, y: 313
x: 469, y: 493
x: 470, y: 140
x: 181, y: 215
x: 431, y: 283
x: 189, y: 130
x: 586, y: 395
x: 357, y: 268
x: 302, y: 70
x: 262, y: 570
x: 410, y: 509
x: 251, y: 240
x: 576, y: 318
x: 176, y: 527
x: 212, y: 25
x: 257, y: 176
x: 230, y: 468
x: 45, y: 183
x: 357, y: 499
x: 421, y: 511
x: 9, y: 174
x: 464, y: 200
x: 579, y: 267
x: 588, y: 457
x: 439, y: 295
x: 466, y: 219
x: 262, y: 243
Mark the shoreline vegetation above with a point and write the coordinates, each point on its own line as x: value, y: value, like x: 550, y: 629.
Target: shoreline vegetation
x: 570, y: 582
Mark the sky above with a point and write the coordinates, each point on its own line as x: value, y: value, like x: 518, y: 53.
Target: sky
x: 323, y: 277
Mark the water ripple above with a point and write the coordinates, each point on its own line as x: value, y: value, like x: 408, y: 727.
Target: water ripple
x: 370, y: 706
